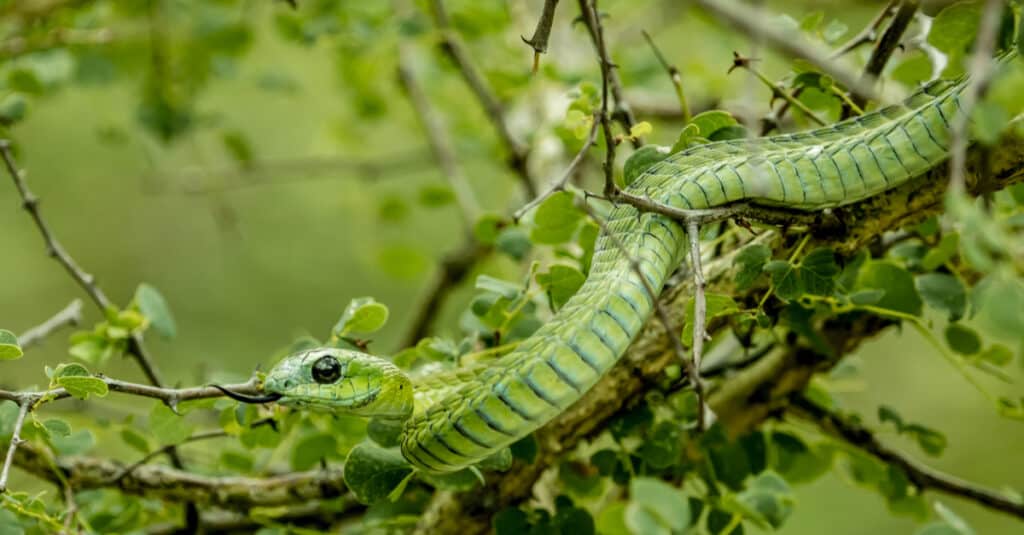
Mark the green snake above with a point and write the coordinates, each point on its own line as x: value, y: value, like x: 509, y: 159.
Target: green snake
x: 455, y: 419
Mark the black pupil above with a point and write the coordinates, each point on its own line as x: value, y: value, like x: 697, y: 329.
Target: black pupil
x: 326, y: 370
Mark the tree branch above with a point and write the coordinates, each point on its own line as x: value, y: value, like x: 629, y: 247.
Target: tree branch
x: 84, y: 279
x: 923, y: 477
x: 438, y: 139
x: 541, y: 34
x: 885, y: 47
x: 175, y: 485
x: 791, y: 47
x: 591, y: 18
x: 70, y: 315
x: 455, y: 49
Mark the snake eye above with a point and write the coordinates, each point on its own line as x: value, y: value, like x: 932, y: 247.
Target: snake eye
x: 326, y: 370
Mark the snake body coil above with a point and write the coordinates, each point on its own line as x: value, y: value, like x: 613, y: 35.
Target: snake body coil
x: 459, y: 419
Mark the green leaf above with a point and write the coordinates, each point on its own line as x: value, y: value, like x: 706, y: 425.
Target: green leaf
x: 91, y: 347
x: 642, y: 521
x: 309, y: 451
x: 57, y: 428
x: 641, y: 160
x: 711, y: 121
x: 897, y: 283
x: 716, y: 305
x: 556, y: 219
x: 488, y: 227
x: 153, y: 305
x: 372, y: 472
x: 236, y: 460
x: 735, y: 131
x: 514, y: 242
x: 640, y: 129
x: 664, y: 501
x: 561, y: 282
x: 435, y: 195
x: 83, y: 387
x: 750, y: 261
x: 525, y: 449
x: 510, y: 521
x: 611, y: 520
x: 1000, y: 306
x: 506, y: 289
x: 769, y: 498
x: 818, y: 270
x: 962, y: 339
x: 362, y: 315
x: 386, y: 433
x: 941, y: 253
x: 9, y: 348
x: 689, y: 136
x: 72, y: 369
x: 238, y: 146
x: 13, y: 108
x: 135, y: 440
x: 943, y: 292
x: 997, y: 354
x: 167, y: 427
x: 955, y: 27
x: 785, y: 278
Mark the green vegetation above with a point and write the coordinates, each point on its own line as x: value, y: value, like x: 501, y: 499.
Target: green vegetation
x: 240, y: 178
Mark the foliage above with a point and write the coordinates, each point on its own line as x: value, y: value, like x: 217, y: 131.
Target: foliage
x: 650, y: 470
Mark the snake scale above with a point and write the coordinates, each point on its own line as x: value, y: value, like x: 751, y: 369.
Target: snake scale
x: 456, y: 419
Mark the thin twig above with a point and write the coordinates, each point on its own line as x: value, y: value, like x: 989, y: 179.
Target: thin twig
x: 740, y: 62
x: 921, y: 476
x: 24, y: 406
x: 868, y: 34
x: 88, y: 283
x: 888, y: 43
x: 559, y: 185
x: 623, y: 113
x: 541, y: 34
x: 979, y: 69
x: 438, y: 138
x: 456, y: 50
x: 70, y: 315
x: 785, y: 43
x: 700, y: 312
x: 673, y: 74
x: 170, y: 396
x: 198, y: 437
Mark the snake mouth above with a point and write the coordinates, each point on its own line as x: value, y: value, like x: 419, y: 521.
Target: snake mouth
x: 245, y: 398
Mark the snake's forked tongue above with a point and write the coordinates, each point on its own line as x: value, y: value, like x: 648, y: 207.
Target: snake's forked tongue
x: 245, y: 398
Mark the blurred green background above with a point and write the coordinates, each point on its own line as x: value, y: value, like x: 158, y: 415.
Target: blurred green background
x: 250, y: 257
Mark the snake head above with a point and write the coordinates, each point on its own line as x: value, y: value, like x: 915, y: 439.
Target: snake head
x: 341, y: 380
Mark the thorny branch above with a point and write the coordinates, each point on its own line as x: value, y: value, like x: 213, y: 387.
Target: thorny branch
x: 541, y: 34
x: 867, y: 35
x: 454, y: 47
x: 923, y: 477
x: 591, y: 18
x: 559, y: 185
x: 24, y: 405
x: 84, y: 279
x: 674, y: 76
x: 784, y: 43
x: 888, y: 43
x: 70, y: 315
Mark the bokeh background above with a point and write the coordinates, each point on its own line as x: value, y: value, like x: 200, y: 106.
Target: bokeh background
x: 329, y: 203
